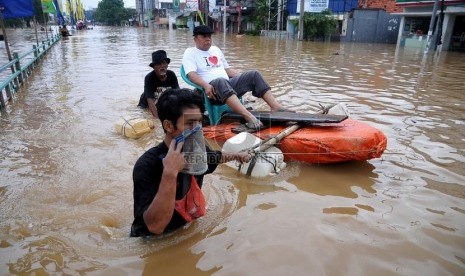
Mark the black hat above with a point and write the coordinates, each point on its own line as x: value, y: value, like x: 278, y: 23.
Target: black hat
x: 158, y: 57
x: 203, y: 29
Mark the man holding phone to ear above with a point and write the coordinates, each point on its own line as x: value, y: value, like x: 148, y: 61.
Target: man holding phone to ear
x: 166, y: 198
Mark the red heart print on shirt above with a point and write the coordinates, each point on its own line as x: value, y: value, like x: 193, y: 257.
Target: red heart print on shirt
x: 213, y: 60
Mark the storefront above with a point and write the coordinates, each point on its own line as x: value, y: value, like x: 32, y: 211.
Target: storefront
x: 457, y: 41
x: 449, y: 27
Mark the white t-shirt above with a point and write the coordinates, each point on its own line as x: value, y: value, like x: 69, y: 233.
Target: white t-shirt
x: 209, y: 65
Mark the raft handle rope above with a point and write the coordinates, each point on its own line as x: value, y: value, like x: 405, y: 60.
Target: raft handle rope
x: 255, y: 150
x: 254, y: 159
x: 123, y: 126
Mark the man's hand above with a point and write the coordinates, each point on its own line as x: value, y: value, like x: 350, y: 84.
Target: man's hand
x: 159, y: 213
x: 153, y: 107
x: 210, y: 91
x: 174, y: 161
x: 208, y: 88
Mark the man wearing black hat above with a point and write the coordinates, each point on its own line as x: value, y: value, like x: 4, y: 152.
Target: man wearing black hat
x: 206, y: 66
x: 157, y: 81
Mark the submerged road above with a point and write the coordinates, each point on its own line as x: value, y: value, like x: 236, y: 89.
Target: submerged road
x: 65, y: 174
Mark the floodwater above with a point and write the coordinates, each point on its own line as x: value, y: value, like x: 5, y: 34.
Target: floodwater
x: 65, y: 174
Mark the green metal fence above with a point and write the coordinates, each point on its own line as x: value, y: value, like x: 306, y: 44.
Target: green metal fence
x: 21, y: 67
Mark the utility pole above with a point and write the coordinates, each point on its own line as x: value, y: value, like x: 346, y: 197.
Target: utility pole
x: 269, y: 15
x: 438, y: 37
x: 224, y: 17
x: 301, y: 21
x: 142, y: 13
x: 206, y: 10
x: 431, y: 26
x: 239, y: 17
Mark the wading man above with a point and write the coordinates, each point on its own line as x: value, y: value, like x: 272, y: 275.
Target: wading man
x: 166, y: 194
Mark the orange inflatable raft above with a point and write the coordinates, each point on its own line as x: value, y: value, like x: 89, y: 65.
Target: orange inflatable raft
x: 332, y: 143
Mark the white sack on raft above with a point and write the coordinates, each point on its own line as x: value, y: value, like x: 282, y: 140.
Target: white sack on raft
x: 339, y: 109
x: 267, y: 162
x: 134, y: 128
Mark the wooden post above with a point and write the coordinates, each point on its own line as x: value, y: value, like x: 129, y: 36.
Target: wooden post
x: 7, y: 46
x: 16, y: 80
x: 35, y: 28
x: 45, y: 20
x: 2, y: 99
x: 18, y: 69
x: 8, y: 93
x: 36, y: 51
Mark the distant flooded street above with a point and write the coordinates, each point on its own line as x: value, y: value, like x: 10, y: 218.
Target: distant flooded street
x: 66, y: 175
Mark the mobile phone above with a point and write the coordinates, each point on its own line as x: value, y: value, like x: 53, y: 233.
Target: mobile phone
x: 180, y: 138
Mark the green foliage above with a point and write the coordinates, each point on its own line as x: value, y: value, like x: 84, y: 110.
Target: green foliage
x: 132, y: 13
x: 13, y: 23
x: 38, y: 11
x: 260, y: 16
x: 317, y: 25
x: 112, y: 12
x: 254, y: 32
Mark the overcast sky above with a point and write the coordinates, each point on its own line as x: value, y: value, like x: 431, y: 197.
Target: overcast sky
x: 94, y: 3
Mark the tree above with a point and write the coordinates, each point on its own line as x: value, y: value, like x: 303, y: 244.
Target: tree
x: 112, y: 12
x: 38, y: 13
x: 131, y: 13
x: 318, y: 25
x: 260, y: 15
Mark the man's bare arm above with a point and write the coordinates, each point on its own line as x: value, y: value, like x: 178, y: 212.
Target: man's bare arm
x: 209, y: 89
x: 152, y: 107
x: 160, y: 211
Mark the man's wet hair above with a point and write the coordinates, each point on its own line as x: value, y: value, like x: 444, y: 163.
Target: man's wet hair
x: 172, y: 103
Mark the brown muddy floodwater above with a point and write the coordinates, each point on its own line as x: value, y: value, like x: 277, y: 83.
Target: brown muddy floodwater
x: 66, y: 175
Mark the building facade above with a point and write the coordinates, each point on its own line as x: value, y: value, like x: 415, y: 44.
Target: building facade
x: 390, y: 6
x: 445, y: 30
x: 405, y: 22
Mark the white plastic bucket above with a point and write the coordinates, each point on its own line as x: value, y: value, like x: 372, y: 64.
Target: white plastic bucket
x: 268, y: 162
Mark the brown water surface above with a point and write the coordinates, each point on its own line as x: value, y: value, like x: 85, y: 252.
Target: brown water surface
x: 66, y: 185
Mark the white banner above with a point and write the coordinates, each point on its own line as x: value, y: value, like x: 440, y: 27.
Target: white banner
x: 313, y: 5
x: 192, y: 5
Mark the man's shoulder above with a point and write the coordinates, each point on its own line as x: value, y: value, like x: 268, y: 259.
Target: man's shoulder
x: 189, y: 50
x: 150, y: 75
x: 152, y: 155
x: 170, y: 73
x: 172, y: 78
x: 215, y: 49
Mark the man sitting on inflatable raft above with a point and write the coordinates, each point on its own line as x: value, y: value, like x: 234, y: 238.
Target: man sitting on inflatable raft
x: 206, y: 66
